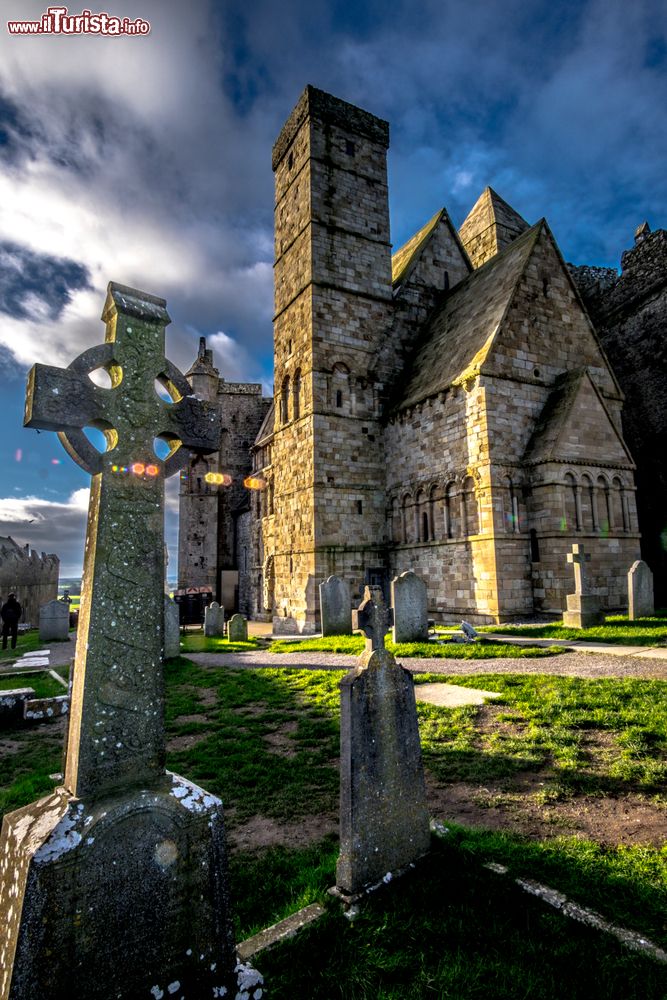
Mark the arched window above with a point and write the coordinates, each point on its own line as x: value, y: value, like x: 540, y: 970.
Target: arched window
x: 619, y: 509
x: 396, y: 524
x: 435, y: 507
x: 511, y: 507
x: 296, y: 395
x: 471, y: 512
x: 339, y: 385
x: 421, y: 518
x: 284, y: 401
x: 603, y: 505
x: 405, y: 518
x: 452, y: 516
x: 588, y: 509
x: 571, y: 513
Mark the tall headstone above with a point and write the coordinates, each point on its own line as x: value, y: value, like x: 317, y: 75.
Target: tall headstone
x: 408, y: 599
x: 641, y: 602
x: 384, y: 822
x: 335, y: 606
x: 583, y: 608
x: 172, y: 629
x: 214, y: 620
x: 237, y: 629
x: 54, y: 621
x: 98, y: 880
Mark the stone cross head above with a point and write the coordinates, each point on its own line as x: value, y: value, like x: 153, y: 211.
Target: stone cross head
x: 373, y: 618
x: 578, y: 558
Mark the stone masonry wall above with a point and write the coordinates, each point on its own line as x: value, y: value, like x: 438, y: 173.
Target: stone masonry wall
x: 32, y: 577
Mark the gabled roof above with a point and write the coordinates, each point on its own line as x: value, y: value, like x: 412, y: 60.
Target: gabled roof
x: 557, y: 434
x: 405, y: 259
x: 459, y: 335
x: 266, y: 428
x: 489, y: 227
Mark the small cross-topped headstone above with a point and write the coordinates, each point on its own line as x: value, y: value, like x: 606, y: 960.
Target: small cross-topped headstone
x: 103, y: 871
x: 583, y: 607
x: 384, y: 824
x: 373, y: 618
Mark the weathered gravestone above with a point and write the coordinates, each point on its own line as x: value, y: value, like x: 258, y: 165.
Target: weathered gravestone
x: 237, y: 629
x: 384, y: 822
x: 214, y: 620
x: 641, y: 602
x: 583, y: 608
x: 335, y: 606
x: 54, y: 621
x: 408, y: 599
x: 172, y: 630
x: 115, y: 885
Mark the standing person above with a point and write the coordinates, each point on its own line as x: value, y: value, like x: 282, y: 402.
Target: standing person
x: 10, y: 614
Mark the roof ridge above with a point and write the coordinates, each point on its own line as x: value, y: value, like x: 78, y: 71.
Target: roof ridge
x: 418, y: 241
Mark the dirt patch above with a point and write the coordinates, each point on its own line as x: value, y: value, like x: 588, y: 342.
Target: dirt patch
x: 257, y: 708
x: 207, y: 696
x: 9, y: 746
x: 186, y: 741
x: 488, y: 721
x: 261, y: 831
x: 280, y: 742
x: 181, y: 719
x: 625, y: 819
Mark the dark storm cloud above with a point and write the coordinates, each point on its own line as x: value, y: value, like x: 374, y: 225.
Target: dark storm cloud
x: 29, y: 280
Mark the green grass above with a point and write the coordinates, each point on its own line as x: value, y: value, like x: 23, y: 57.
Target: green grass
x: 452, y: 929
x: 197, y: 642
x: 42, y: 683
x: 617, y: 629
x: 481, y: 649
x: 27, y: 642
x: 554, y: 723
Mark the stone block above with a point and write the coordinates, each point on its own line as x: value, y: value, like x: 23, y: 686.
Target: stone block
x: 12, y: 706
x: 408, y: 599
x: 335, y: 606
x: 640, y: 591
x: 583, y: 611
x: 237, y: 629
x: 54, y: 621
x: 172, y: 629
x: 214, y: 620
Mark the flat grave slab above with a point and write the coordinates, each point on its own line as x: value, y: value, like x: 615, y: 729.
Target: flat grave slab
x: 452, y: 695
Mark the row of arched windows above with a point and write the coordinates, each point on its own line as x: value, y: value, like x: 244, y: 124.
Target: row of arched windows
x: 435, y: 514
x: 595, y: 505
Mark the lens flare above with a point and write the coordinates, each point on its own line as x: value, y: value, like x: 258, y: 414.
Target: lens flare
x: 138, y: 468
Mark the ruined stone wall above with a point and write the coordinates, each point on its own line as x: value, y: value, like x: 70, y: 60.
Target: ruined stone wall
x: 631, y: 314
x: 32, y: 577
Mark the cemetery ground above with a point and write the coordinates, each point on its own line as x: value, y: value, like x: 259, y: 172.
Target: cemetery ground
x: 561, y: 781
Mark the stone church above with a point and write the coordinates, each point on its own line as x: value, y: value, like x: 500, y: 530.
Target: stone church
x: 448, y: 409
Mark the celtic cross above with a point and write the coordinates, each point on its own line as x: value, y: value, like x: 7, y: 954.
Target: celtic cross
x: 116, y: 730
x: 578, y: 557
x: 373, y: 618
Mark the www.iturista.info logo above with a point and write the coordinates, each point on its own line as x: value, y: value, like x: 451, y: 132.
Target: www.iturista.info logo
x: 58, y: 21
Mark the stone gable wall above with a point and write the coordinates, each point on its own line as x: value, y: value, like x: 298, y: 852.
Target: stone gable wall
x: 32, y: 577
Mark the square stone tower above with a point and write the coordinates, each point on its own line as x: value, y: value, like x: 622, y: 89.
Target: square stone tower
x: 333, y: 296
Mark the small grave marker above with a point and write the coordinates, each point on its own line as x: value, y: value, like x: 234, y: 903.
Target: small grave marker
x: 335, y: 606
x: 408, y: 599
x: 214, y: 620
x: 237, y: 629
x: 583, y: 608
x: 54, y: 621
x: 641, y: 603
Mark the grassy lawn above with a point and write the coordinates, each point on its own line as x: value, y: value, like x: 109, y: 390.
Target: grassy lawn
x: 617, y: 629
x: 481, y: 649
x: 197, y: 642
x: 28, y: 642
x: 42, y: 683
x: 267, y: 742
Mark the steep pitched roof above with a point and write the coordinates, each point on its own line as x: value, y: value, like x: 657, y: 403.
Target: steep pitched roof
x: 460, y: 333
x: 266, y: 429
x: 406, y: 257
x: 489, y: 227
x: 557, y: 437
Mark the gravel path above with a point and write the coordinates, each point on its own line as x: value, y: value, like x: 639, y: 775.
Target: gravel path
x: 567, y: 664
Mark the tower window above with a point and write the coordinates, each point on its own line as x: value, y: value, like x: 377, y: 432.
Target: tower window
x: 290, y: 161
x: 339, y: 398
x: 360, y: 507
x: 349, y: 147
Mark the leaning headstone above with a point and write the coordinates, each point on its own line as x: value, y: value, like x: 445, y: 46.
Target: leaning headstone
x: 583, y: 608
x: 54, y: 621
x: 237, y: 629
x: 408, y: 599
x: 214, y: 620
x: 641, y: 602
x: 98, y: 880
x: 384, y: 822
x: 335, y: 606
x: 172, y: 630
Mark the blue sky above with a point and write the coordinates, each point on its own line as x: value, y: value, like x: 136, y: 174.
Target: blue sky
x: 147, y: 160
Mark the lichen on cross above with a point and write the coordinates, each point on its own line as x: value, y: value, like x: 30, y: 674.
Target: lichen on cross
x: 116, y: 732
